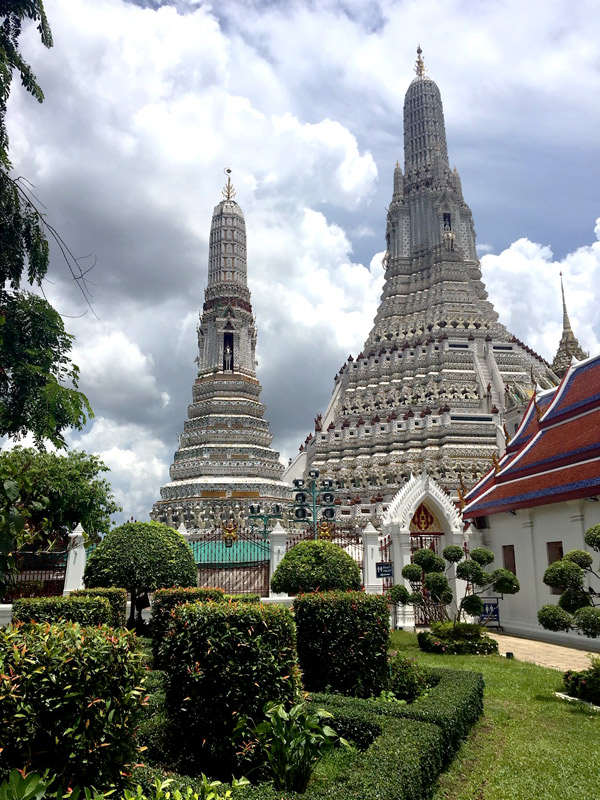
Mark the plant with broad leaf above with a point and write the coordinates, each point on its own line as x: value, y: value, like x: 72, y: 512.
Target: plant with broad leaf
x: 428, y: 577
x: 578, y: 608
x: 290, y: 741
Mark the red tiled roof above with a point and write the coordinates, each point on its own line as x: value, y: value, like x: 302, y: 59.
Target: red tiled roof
x: 552, y: 458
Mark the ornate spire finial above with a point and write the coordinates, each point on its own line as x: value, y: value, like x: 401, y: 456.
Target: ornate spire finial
x: 566, y: 321
x: 228, y: 191
x: 420, y: 67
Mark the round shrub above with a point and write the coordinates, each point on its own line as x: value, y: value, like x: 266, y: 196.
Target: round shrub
x: 592, y: 537
x: 472, y: 572
x: 482, y: 556
x: 472, y: 605
x: 572, y: 599
x: 564, y: 575
x: 398, y: 595
x: 408, y: 679
x: 504, y: 581
x: 141, y: 557
x: 316, y: 565
x: 428, y: 560
x: 588, y: 621
x: 438, y: 587
x: 453, y: 553
x: 412, y: 572
x: 582, y: 558
x: 554, y: 618
x: 72, y: 705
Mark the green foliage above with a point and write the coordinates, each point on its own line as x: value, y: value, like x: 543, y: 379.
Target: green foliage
x: 504, y: 581
x: 588, y: 621
x: 408, y: 679
x: 453, y: 553
x: 316, y: 565
x: 343, y: 638
x: 23, y: 786
x: 459, y: 638
x: 141, y: 557
x: 71, y: 697
x: 482, y: 556
x: 472, y: 605
x: 84, y: 610
x: 117, y: 599
x: 582, y: 558
x: 222, y: 661
x: 472, y: 572
x: 564, y: 575
x: 412, y: 572
x: 554, y: 618
x: 592, y: 537
x: 74, y: 487
x: 166, y: 600
x: 572, y: 599
x: 398, y: 595
x: 438, y: 587
x: 428, y: 560
x: 584, y: 685
x: 290, y: 741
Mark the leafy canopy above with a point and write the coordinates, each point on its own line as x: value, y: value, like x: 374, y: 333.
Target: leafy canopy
x: 316, y: 565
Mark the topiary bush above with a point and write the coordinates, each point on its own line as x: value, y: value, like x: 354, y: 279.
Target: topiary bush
x: 117, y: 599
x: 84, y: 610
x: 578, y: 610
x: 223, y: 661
x: 71, y: 698
x: 142, y: 557
x: 460, y: 638
x: 165, y: 600
x: 584, y: 685
x: 343, y: 639
x: 316, y: 565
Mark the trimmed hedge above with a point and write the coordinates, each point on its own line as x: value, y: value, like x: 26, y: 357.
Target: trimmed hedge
x: 343, y: 640
x: 84, y: 610
x: 117, y: 599
x: 401, y: 749
x: 163, y: 603
x: 454, y: 704
x: 457, y: 639
x: 71, y: 698
x: 316, y: 565
x: 224, y: 661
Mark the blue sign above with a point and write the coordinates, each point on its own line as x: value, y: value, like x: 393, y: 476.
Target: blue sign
x: 384, y: 569
x: 491, y: 612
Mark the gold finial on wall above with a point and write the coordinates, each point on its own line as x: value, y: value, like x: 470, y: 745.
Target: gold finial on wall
x: 228, y: 191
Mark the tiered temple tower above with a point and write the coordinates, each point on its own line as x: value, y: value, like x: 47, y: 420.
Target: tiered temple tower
x: 224, y: 454
x: 438, y: 371
x: 569, y: 346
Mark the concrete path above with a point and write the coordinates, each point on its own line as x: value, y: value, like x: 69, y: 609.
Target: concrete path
x: 546, y: 655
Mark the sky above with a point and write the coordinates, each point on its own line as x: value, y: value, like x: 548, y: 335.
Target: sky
x: 146, y: 103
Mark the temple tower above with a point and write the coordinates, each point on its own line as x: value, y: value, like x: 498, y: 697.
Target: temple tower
x: 438, y: 371
x: 569, y: 346
x: 224, y: 454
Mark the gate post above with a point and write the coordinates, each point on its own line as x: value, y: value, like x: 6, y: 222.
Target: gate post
x: 278, y: 539
x: 370, y: 537
x: 76, y: 558
x: 401, y: 555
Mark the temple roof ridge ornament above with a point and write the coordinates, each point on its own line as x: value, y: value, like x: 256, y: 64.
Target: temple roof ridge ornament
x: 228, y: 190
x: 420, y: 68
x: 569, y: 347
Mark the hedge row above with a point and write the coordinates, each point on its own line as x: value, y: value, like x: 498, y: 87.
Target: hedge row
x: 87, y: 611
x: 117, y: 599
x: 343, y: 640
x: 454, y: 704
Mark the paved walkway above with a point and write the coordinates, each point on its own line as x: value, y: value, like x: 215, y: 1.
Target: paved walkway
x: 546, y: 655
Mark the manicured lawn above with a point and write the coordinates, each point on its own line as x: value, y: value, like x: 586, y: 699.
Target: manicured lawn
x: 529, y: 745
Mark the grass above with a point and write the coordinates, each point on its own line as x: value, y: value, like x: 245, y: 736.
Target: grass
x: 528, y: 744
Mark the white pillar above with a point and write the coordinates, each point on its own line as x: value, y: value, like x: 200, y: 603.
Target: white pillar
x: 401, y: 553
x: 76, y: 557
x: 371, y: 555
x: 278, y: 539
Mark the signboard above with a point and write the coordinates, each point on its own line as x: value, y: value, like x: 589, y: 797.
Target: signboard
x: 491, y: 612
x: 384, y: 569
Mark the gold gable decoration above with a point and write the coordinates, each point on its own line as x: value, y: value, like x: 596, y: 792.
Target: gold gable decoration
x: 424, y: 521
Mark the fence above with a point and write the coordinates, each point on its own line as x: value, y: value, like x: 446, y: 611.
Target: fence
x: 40, y: 574
x: 238, y: 565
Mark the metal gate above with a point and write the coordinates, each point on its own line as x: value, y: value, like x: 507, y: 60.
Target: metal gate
x: 385, y: 554
x: 235, y: 560
x: 40, y: 574
x: 428, y: 611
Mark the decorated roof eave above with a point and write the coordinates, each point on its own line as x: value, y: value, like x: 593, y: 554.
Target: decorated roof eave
x: 515, y: 504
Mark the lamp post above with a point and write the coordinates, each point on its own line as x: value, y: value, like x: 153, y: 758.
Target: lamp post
x: 256, y: 513
x: 318, y: 497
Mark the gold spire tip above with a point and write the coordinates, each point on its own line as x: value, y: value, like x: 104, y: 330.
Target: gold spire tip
x: 228, y: 191
x: 420, y: 67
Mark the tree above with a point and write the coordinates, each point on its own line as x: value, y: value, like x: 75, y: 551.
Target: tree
x: 34, y: 347
x: 141, y: 557
x: 316, y: 565
x: 74, y: 488
x: 577, y: 610
x: 431, y: 589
